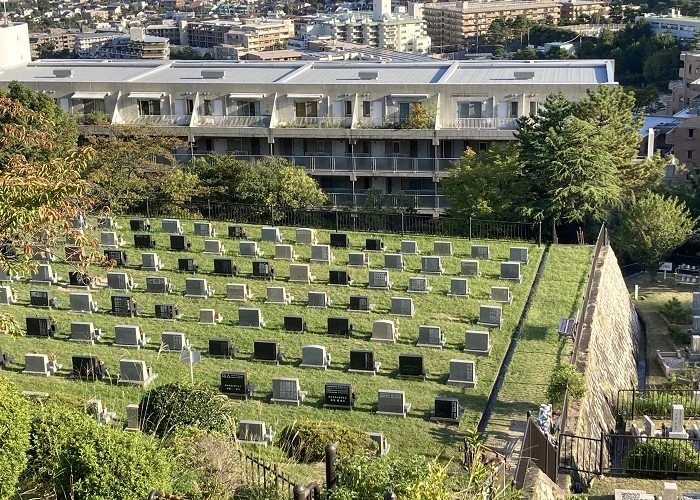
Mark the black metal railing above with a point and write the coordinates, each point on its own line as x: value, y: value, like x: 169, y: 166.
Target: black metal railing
x: 581, y: 454
x: 342, y: 219
x: 656, y: 403
x: 265, y: 475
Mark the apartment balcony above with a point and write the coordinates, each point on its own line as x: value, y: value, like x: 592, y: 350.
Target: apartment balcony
x: 158, y: 120
x: 319, y: 122
x: 482, y: 123
x: 233, y: 121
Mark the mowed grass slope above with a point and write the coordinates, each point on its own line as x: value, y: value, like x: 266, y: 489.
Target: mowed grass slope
x: 412, y: 435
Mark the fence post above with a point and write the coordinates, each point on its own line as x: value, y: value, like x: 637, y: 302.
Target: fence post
x: 330, y: 465
x: 299, y: 492
x: 274, y: 472
x: 337, y: 221
x: 403, y: 228
x: 209, y: 208
x: 634, y: 397
x: 600, y: 460
x: 470, y: 228
x: 539, y: 237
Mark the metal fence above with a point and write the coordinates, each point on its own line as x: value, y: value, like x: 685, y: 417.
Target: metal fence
x: 657, y: 403
x: 537, y: 448
x: 343, y: 219
x: 267, y: 476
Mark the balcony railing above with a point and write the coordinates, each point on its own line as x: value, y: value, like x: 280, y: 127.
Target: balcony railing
x: 420, y: 202
x: 159, y: 120
x: 320, y: 122
x: 482, y: 123
x: 234, y: 121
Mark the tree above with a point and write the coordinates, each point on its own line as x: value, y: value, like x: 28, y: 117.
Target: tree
x: 651, y: 227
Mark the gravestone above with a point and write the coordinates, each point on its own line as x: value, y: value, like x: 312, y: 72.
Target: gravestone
x: 132, y: 418
x: 384, y: 330
x: 278, y: 295
x: 158, y: 284
x: 40, y: 326
x: 501, y: 294
x: 409, y: 247
x: 315, y: 356
x: 411, y: 365
x: 477, y: 342
x: 431, y: 264
x: 174, y: 342
x: 167, y: 312
x: 294, y: 324
x: 135, y: 372
x: 459, y: 287
x: 210, y: 317
x: 250, y: 318
x: 41, y: 298
x: 379, y: 280
x: 392, y: 403
x: 178, y: 243
x: 374, y: 245
x: 7, y: 296
x: 267, y: 351
x: 109, y: 239
x: 418, y: 284
x: 462, y: 373
x: 78, y: 279
x: 338, y: 326
x: 285, y: 391
x: 695, y: 328
x: 74, y: 255
x: 254, y: 432
x: 99, y: 412
x: 339, y: 395
x: 39, y: 364
x: 360, y: 303
x: 224, y: 267
x: 77, y: 222
x: 358, y: 259
x: 306, y: 236
x: 263, y: 269
x: 300, y: 273
x: 74, y: 236
x: 119, y: 257
x: 519, y: 254
x: 649, y: 426
x: 695, y: 344
x: 221, y: 348
x: 204, y: 229
x: 272, y: 234
x: 43, y: 254
x: 214, y: 247
x: 123, y: 305
x: 249, y: 249
x: 447, y: 410
x: 430, y: 336
x: 490, y: 316
x: 442, y: 248
x: 139, y: 225
x: 362, y: 361
x: 318, y: 299
x: 393, y: 261
x: 340, y: 240
x: 104, y: 222
x: 383, y: 445
x: 198, y: 288
x: 130, y: 336
x: 677, y: 419
x: 339, y: 277
x: 480, y: 252
x: 402, y: 306
x: 511, y: 271
x: 237, y: 232
x: 285, y: 252
x: 120, y: 281
x: 151, y: 262
x: 171, y: 226
x: 144, y: 241
x: 236, y: 384
x: 321, y: 254
x: 44, y: 275
x: 84, y: 332
x: 87, y: 367
x: 237, y: 292
x: 5, y: 360
x: 187, y: 265
x: 695, y: 306
x: 82, y: 303
x: 5, y: 277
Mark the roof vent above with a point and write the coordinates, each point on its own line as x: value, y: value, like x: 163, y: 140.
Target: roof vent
x: 368, y: 75
x: 524, y: 75
x: 63, y: 73
x: 213, y: 74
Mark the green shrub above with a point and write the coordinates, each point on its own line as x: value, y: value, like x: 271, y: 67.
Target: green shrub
x: 565, y: 376
x: 679, y: 335
x: 414, y: 478
x: 14, y: 437
x: 169, y: 406
x: 255, y: 492
x: 306, y: 442
x: 664, y: 455
x: 75, y: 458
x: 674, y: 312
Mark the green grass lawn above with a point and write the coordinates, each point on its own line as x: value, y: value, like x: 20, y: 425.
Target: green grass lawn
x: 539, y: 349
x: 412, y: 435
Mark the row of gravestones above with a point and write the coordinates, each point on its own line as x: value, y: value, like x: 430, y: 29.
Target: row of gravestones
x: 383, y: 330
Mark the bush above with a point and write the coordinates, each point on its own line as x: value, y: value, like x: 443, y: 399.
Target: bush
x: 76, y: 458
x: 679, y: 334
x: 565, y: 376
x: 414, y: 478
x: 14, y: 437
x: 664, y: 455
x: 169, y: 406
x: 306, y: 442
x: 255, y: 492
x: 674, y: 312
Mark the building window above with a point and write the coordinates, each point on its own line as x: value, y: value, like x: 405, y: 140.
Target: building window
x: 320, y: 147
x: 483, y: 146
x: 189, y: 106
x: 534, y: 108
x: 306, y: 109
x: 348, y: 108
x: 691, y: 131
x: 147, y: 108
x: 404, y: 111
x: 397, y: 147
x: 93, y: 106
x: 366, y: 108
x: 690, y: 154
x: 470, y: 109
x: 208, y: 107
x: 514, y: 109
x: 247, y: 108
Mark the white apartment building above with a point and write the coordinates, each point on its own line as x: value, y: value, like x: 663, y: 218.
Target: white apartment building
x: 682, y: 28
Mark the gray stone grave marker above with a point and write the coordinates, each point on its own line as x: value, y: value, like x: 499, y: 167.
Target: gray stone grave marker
x: 459, y: 287
x: 318, y: 299
x: 285, y: 390
x: 490, y: 316
x: 7, y: 296
x: 409, y: 247
x: 120, y: 281
x: 132, y: 418
x: 151, y: 262
x: 158, y: 284
x: 171, y: 226
x: 174, y: 342
x: 315, y: 356
x: 519, y: 254
x: 384, y: 330
x: 379, y: 280
x: 430, y: 336
x: 270, y: 233
x: 649, y: 426
x: 278, y: 295
x: 321, y: 254
x: 431, y: 264
x: 250, y: 318
x: 358, y: 259
x: 210, y: 317
x: 392, y: 403
x: 418, y: 284
x: 204, y: 229
x: 393, y: 261
x: 463, y: 373
x: 249, y: 249
x: 300, y: 273
x: 135, y: 372
x: 129, y: 336
x: 402, y: 306
x: 237, y: 292
x: 480, y: 252
x: 511, y: 271
x: 442, y: 248
x: 39, y: 364
x: 306, y: 236
x: 285, y: 252
x: 81, y: 331
x: 44, y: 275
x: 501, y: 294
x: 214, y: 247
x: 477, y: 342
x: 82, y: 303
x: 198, y: 288
x: 469, y: 268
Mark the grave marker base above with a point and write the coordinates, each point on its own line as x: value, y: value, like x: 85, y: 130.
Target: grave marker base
x: 143, y: 383
x: 406, y: 409
x: 449, y: 421
x: 291, y: 402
